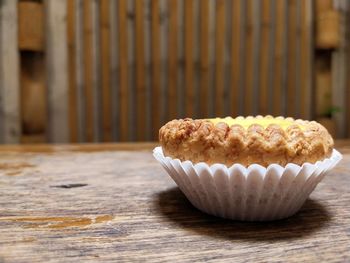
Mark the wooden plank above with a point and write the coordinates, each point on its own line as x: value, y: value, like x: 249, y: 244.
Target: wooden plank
x: 105, y: 24
x: 96, y: 71
x: 204, y: 59
x: 88, y: 70
x: 297, y: 95
x: 114, y: 70
x: 264, y: 56
x: 57, y: 53
x: 123, y: 69
x: 248, y: 96
x: 291, y: 54
x: 236, y: 75
x: 112, y: 213
x: 132, y: 110
x: 189, y: 78
x: 278, y: 58
x: 328, y: 32
x: 80, y: 147
x: 10, y: 128
x: 155, y: 64
x: 79, y: 40
x: 347, y: 92
x: 172, y: 58
x: 322, y: 6
x: 73, y: 103
x: 306, y: 60
x: 31, y: 26
x: 164, y: 50
x: 271, y: 59
x: 140, y: 71
x: 256, y: 56
x: 219, y: 57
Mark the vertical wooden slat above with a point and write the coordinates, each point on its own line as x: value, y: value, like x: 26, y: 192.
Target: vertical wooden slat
x: 88, y: 70
x: 248, y: 96
x: 235, y: 57
x: 347, y: 91
x: 256, y: 56
x: 271, y: 58
x: 211, y: 93
x: 147, y: 26
x: 164, y: 47
x: 96, y: 70
x: 155, y: 80
x: 291, y: 54
x: 79, y: 40
x: 339, y: 72
x: 196, y: 58
x: 204, y: 58
x: 132, y: 96
x: 189, y: 88
x: 73, y: 111
x: 114, y: 71
x: 278, y: 58
x: 298, y: 43
x: 306, y: 60
x: 57, y: 57
x: 123, y: 69
x: 172, y: 57
x: 10, y: 128
x: 264, y: 56
x: 219, y: 53
x: 140, y: 71
x: 105, y: 24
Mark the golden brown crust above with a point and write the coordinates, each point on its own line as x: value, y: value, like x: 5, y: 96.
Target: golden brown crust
x: 202, y: 141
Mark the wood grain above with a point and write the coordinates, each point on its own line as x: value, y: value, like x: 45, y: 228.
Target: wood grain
x: 88, y: 70
x: 31, y: 26
x: 10, y: 123
x: 264, y: 56
x: 72, y: 77
x: 105, y: 23
x: 306, y: 60
x: 189, y: 45
x: 140, y: 71
x: 278, y: 58
x: 204, y: 59
x: 291, y: 53
x: 57, y: 58
x: 219, y: 56
x: 235, y: 57
x: 248, y: 82
x: 156, y: 67
x: 347, y: 85
x: 172, y: 59
x: 123, y: 70
x: 90, y: 209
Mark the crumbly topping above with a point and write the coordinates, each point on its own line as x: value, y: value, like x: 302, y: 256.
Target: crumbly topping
x: 205, y: 141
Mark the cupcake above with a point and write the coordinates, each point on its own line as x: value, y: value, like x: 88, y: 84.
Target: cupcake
x: 249, y: 169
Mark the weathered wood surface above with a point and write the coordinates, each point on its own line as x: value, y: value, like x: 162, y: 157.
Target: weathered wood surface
x: 107, y: 203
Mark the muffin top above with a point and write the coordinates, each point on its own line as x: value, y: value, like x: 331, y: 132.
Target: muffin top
x: 251, y: 140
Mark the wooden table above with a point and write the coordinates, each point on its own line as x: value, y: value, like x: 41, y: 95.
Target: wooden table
x: 115, y: 203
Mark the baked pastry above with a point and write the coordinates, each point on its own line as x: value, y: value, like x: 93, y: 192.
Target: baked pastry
x: 248, y: 169
x: 252, y: 140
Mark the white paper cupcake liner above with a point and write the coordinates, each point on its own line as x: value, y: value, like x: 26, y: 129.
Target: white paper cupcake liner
x: 253, y: 193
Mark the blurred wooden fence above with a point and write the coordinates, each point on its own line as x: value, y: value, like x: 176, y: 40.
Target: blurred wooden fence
x: 100, y: 70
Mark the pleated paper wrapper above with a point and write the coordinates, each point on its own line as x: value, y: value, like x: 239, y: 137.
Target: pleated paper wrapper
x: 252, y: 193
